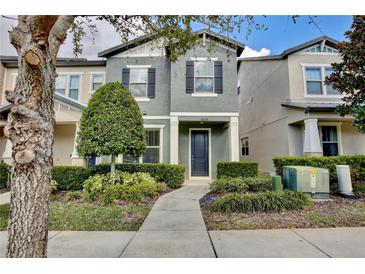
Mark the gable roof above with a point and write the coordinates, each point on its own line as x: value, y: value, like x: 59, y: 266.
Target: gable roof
x: 146, y: 38
x: 328, y: 40
x: 12, y: 62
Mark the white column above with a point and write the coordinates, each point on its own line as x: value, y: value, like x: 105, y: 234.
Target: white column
x: 75, y: 155
x: 312, y: 144
x: 174, y: 140
x: 234, y: 148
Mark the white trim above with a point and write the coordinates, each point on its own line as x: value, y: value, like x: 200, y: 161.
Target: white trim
x: 5, y: 81
x: 204, y: 58
x: 208, y: 114
x: 339, y: 134
x: 142, y: 99
x: 92, y: 73
x: 139, y: 66
x: 160, y: 127
x: 147, y: 117
x: 204, y: 94
x: 209, y: 156
x: 174, y: 140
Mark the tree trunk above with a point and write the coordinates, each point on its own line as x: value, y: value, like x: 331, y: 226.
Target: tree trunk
x: 112, y: 165
x: 30, y: 129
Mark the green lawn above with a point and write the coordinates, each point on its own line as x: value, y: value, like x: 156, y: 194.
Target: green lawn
x: 89, y: 217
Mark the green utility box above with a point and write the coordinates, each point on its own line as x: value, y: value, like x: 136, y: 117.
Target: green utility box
x: 311, y: 180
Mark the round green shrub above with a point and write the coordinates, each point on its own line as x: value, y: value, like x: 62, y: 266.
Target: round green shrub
x: 112, y: 124
x: 227, y: 185
x: 121, y: 186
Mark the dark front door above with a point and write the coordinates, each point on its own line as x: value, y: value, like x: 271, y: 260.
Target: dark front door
x: 199, y: 153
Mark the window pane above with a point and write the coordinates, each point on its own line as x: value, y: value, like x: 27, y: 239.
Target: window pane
x: 97, y: 78
x: 330, y: 149
x: 138, y: 76
x: 329, y: 88
x: 204, y: 85
x: 204, y: 68
x: 314, y: 87
x: 130, y: 159
x: 329, y: 134
x: 152, y: 155
x: 61, y: 82
x: 138, y: 90
x: 74, y: 94
x: 74, y: 81
x: 96, y: 86
x: 153, y: 137
x: 313, y: 74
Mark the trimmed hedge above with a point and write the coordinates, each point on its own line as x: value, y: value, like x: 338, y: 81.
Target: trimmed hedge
x: 356, y: 163
x: 172, y: 175
x: 70, y: 177
x: 261, y: 202
x: 4, y: 174
x: 237, y: 169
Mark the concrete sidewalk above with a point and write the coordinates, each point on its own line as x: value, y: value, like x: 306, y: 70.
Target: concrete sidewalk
x: 174, y: 228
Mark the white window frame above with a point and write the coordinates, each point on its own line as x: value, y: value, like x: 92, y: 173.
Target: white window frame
x: 204, y: 93
x: 324, y: 87
x: 67, y: 90
x: 339, y: 134
x: 242, y: 146
x: 91, y: 91
x: 140, y: 159
x: 141, y: 98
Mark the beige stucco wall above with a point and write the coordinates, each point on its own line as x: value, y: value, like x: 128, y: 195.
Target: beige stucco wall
x: 353, y: 142
x: 64, y: 137
x: 85, y: 85
x: 296, y: 62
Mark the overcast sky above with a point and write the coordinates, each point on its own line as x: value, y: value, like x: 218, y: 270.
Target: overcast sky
x: 281, y: 34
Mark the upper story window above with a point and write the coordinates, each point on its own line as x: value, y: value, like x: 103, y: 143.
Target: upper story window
x: 204, y: 76
x: 244, y: 146
x: 140, y: 81
x: 97, y: 80
x: 314, y: 81
x: 68, y: 85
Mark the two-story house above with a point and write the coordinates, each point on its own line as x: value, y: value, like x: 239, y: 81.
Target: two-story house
x: 286, y: 109
x: 76, y: 81
x: 190, y: 107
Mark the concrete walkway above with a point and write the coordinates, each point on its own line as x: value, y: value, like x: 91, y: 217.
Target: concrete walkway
x: 173, y: 228
x: 5, y: 198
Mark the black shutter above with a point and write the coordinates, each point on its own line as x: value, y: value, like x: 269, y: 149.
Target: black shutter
x: 189, y: 76
x: 218, y: 77
x: 151, y: 83
x: 125, y: 77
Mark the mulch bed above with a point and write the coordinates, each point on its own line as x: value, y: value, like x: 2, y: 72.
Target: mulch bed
x: 340, y: 212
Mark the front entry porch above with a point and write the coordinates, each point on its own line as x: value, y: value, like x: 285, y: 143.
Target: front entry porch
x: 200, y: 142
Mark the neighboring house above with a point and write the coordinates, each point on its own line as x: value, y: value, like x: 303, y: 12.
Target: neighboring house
x: 190, y: 107
x: 77, y: 79
x: 286, y: 109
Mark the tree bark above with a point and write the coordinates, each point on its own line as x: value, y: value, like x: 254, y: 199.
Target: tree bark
x: 112, y: 165
x: 30, y: 129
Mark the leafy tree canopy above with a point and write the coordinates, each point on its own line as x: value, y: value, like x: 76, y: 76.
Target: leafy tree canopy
x: 112, y: 124
x: 349, y: 75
